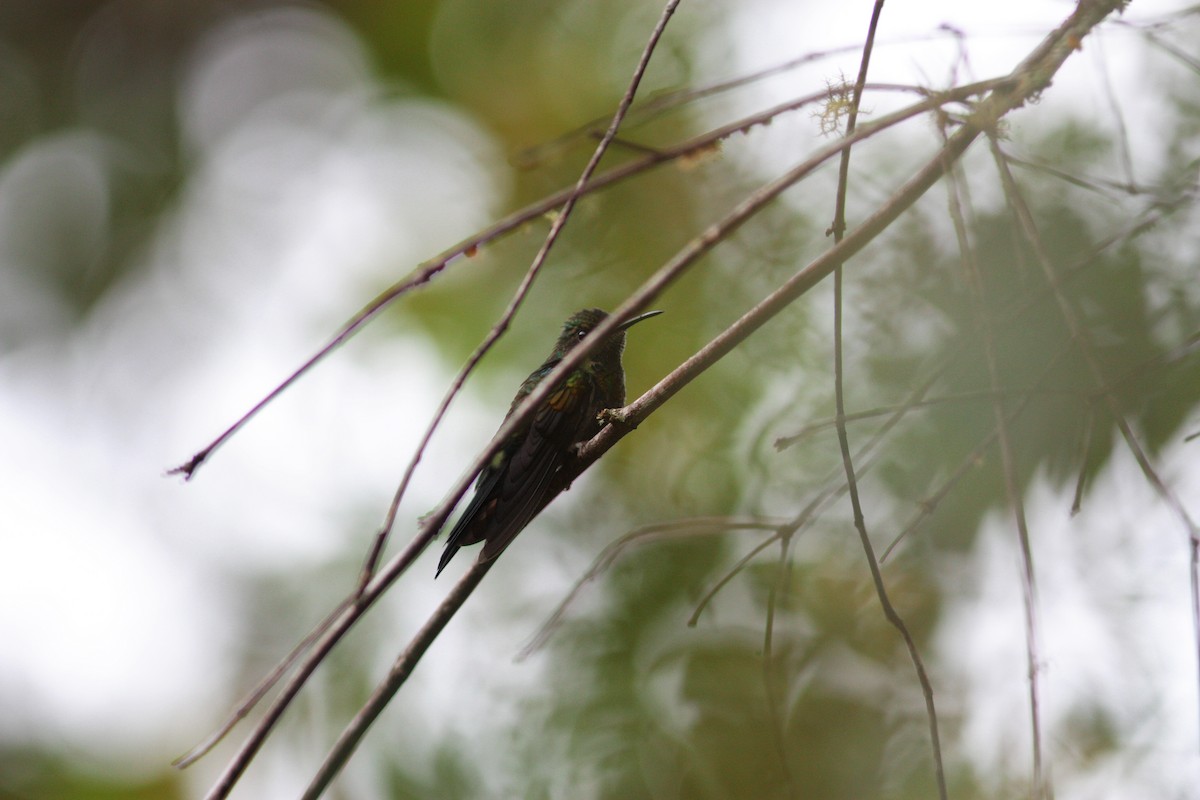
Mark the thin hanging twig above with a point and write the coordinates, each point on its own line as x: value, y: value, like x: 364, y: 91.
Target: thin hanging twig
x: 1145, y: 223
x: 838, y: 229
x: 928, y: 504
x: 674, y: 530
x: 262, y: 688
x: 784, y: 442
x: 1082, y: 339
x: 1012, y: 486
x: 663, y: 102
x: 1085, y: 453
x: 771, y: 692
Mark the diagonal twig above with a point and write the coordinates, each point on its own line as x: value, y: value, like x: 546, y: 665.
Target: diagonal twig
x: 539, y: 260
x: 427, y: 270
x: 397, y: 675
x: 686, y: 528
x: 930, y: 502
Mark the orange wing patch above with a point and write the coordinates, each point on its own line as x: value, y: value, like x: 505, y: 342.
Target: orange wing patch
x: 562, y: 399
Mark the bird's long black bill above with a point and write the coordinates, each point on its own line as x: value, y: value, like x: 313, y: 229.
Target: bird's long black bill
x: 637, y: 319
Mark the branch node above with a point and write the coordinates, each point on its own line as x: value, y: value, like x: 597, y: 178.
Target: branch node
x: 619, y: 417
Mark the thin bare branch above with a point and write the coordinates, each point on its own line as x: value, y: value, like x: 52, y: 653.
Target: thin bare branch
x: 729, y: 575
x: 955, y: 189
x: 539, y: 260
x: 1105, y: 187
x: 364, y: 596
x: 808, y: 515
x: 401, y: 669
x: 838, y: 229
x: 866, y: 457
x: 307, y: 666
x: 666, y: 531
x: 1114, y: 106
x: 1082, y: 339
x: 427, y: 270
x: 1182, y: 56
x: 264, y: 686
x: 770, y: 689
x: 1085, y: 452
x: 784, y: 442
x: 930, y: 502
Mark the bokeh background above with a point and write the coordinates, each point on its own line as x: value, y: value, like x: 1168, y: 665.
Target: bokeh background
x: 195, y: 194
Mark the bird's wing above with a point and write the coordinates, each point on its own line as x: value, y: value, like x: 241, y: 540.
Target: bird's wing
x: 530, y: 479
x: 521, y: 479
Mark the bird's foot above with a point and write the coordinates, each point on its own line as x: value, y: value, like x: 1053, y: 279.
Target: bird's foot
x: 615, y: 416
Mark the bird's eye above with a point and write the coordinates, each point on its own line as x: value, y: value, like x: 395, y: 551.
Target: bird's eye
x: 582, y: 333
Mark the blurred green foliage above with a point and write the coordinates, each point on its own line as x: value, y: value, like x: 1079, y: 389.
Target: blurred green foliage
x: 42, y: 772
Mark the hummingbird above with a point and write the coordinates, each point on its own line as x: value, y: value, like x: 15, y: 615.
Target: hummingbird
x: 527, y: 471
